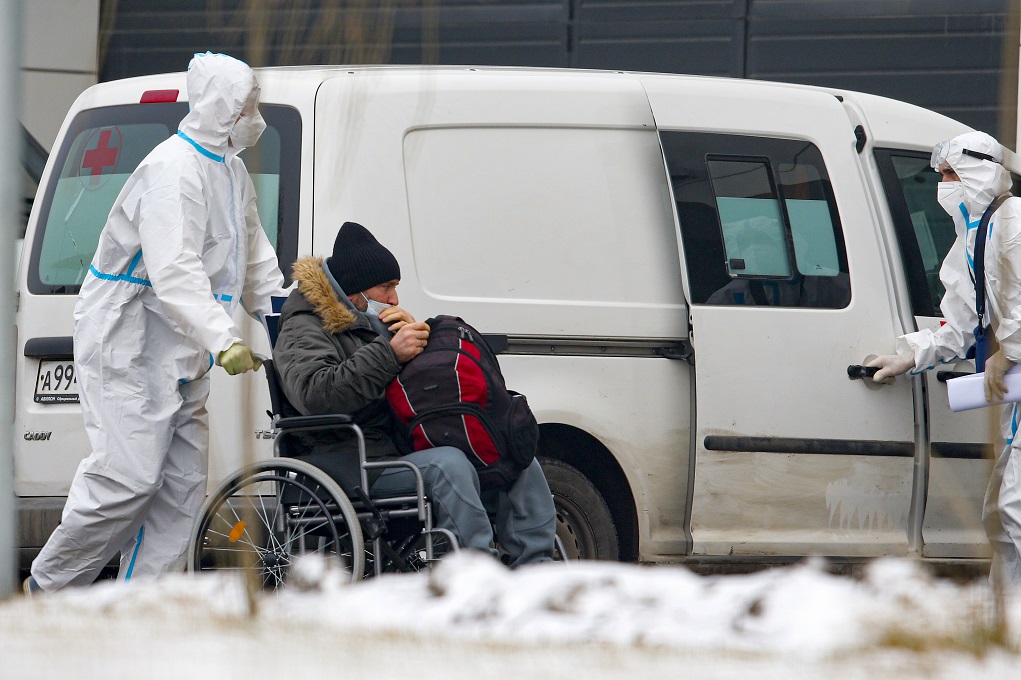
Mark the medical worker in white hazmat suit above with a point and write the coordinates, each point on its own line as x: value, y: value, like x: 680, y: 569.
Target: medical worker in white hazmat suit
x: 181, y: 249
x: 973, y: 177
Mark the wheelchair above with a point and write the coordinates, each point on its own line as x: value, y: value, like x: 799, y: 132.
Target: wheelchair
x: 268, y: 514
x: 265, y: 516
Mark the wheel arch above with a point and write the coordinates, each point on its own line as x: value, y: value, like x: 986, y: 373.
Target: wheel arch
x: 588, y: 455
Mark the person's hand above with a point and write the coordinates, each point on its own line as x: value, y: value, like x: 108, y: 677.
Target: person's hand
x: 410, y: 340
x: 891, y: 365
x: 396, y: 318
x: 238, y: 359
x: 996, y: 368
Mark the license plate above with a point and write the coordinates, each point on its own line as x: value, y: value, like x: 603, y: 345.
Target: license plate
x: 56, y: 383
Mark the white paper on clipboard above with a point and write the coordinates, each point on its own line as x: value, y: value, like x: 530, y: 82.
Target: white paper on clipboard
x: 968, y: 391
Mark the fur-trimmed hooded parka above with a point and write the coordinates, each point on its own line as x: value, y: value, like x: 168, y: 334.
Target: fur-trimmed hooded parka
x: 331, y: 360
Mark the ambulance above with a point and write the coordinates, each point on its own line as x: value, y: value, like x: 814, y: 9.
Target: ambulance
x: 685, y: 273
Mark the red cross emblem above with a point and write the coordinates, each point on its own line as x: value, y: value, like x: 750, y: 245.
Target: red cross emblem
x: 100, y: 158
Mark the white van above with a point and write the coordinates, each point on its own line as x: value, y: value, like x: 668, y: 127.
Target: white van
x: 684, y: 268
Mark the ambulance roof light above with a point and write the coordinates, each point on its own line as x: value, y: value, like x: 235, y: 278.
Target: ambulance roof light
x: 158, y: 96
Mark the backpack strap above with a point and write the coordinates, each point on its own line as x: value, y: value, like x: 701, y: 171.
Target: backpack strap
x: 981, y: 341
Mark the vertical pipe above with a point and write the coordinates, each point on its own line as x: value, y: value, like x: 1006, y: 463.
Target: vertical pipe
x: 257, y: 13
x: 10, y: 58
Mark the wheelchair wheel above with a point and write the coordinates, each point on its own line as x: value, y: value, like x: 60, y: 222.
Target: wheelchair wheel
x: 268, y: 514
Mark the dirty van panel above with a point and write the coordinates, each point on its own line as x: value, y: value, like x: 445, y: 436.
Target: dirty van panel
x: 958, y: 468
x: 785, y: 273
x: 89, y: 166
x: 567, y: 243
x: 520, y: 201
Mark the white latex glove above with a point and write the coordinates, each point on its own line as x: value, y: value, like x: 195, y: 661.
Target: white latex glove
x: 891, y: 365
x: 996, y: 368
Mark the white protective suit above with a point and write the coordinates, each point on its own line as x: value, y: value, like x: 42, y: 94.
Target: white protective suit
x: 182, y: 247
x: 982, y: 181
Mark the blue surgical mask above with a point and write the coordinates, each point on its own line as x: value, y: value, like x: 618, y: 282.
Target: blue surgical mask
x: 374, y: 308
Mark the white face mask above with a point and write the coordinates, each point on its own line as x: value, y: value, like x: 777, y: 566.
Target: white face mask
x: 950, y: 195
x: 375, y: 308
x: 246, y: 132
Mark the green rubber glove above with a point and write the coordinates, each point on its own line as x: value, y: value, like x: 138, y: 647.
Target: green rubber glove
x: 237, y: 359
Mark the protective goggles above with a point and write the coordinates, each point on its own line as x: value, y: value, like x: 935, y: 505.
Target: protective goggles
x: 941, y: 152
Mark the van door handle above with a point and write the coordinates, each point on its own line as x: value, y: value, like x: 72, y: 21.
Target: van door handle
x: 859, y: 372
x: 943, y: 376
x: 50, y: 348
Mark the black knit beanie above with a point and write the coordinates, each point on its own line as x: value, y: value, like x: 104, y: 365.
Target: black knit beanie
x: 359, y: 262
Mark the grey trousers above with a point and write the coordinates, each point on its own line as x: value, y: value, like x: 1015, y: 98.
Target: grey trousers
x: 523, y: 515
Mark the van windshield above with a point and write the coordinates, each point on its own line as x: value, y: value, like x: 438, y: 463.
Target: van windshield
x: 103, y: 147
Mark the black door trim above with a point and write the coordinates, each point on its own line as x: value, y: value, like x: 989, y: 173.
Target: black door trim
x: 845, y: 447
x: 958, y: 450
x: 652, y: 348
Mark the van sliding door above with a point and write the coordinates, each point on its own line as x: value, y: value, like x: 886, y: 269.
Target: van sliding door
x: 787, y: 287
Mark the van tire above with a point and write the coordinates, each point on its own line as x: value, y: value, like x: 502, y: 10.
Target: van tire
x: 584, y: 522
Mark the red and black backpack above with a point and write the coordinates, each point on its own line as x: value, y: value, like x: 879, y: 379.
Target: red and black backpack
x: 453, y: 394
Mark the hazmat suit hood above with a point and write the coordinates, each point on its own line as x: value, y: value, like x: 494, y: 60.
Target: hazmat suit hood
x: 218, y: 89
x: 982, y: 180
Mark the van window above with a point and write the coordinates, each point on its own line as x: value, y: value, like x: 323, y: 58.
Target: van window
x: 753, y: 231
x: 925, y: 232
x: 758, y: 221
x: 100, y: 151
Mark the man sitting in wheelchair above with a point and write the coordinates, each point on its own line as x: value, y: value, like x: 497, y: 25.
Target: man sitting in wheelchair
x: 336, y: 352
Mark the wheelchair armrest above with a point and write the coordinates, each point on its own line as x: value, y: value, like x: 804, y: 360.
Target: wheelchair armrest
x: 313, y: 422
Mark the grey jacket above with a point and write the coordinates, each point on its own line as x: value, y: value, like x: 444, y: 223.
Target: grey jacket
x: 331, y: 360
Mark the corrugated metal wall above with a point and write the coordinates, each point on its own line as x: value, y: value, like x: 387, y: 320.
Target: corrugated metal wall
x: 702, y: 37
x: 946, y: 55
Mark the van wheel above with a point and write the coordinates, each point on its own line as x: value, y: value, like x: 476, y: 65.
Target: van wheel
x: 584, y: 523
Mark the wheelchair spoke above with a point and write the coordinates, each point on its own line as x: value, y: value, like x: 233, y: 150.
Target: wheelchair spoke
x: 265, y: 518
x: 245, y: 538
x: 247, y: 541
x: 270, y: 524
